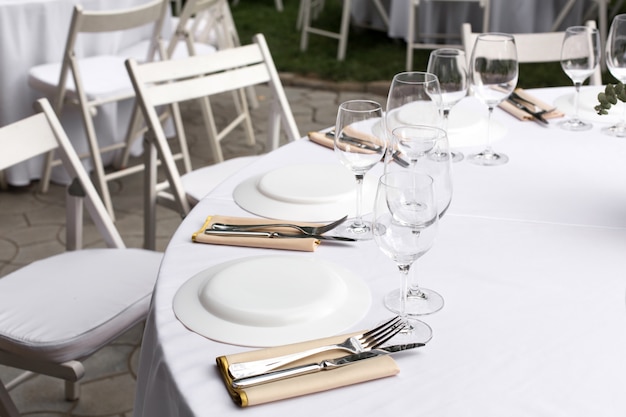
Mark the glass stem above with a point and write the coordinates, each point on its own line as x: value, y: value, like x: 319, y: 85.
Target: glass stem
x: 489, y: 150
x: 576, y: 99
x: 404, y: 286
x: 446, y: 113
x: 358, y: 222
x: 413, y: 289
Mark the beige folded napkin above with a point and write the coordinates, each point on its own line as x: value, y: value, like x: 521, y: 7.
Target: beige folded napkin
x: 321, y: 139
x: 300, y: 244
x: 522, y: 115
x: 365, y: 370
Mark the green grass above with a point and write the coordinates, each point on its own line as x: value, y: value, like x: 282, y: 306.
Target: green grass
x: 371, y: 55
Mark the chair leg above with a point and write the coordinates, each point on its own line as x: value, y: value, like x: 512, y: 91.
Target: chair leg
x: 279, y: 5
x: 306, y: 24
x: 7, y: 406
x: 345, y: 29
x: 149, y: 194
x: 410, y: 36
x: 209, y: 122
x: 72, y: 390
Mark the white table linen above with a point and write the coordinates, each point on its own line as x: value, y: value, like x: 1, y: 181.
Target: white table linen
x: 34, y: 32
x: 530, y: 261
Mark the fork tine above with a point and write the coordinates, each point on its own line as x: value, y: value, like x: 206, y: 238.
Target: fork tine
x: 384, y: 335
x: 323, y: 229
x: 392, y: 332
x: 377, y: 330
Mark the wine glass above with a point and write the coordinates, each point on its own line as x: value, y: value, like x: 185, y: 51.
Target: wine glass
x: 359, y: 149
x: 414, y: 99
x: 449, y: 65
x: 493, y: 76
x: 580, y: 55
x: 405, y: 226
x: 422, y: 147
x: 616, y: 63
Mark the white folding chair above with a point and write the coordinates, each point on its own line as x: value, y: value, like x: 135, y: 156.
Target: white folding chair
x: 278, y: 3
x: 57, y: 311
x: 93, y: 81
x: 310, y: 7
x: 415, y: 39
x: 193, y: 78
x: 532, y: 47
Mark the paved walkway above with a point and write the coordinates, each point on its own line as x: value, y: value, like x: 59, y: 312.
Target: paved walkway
x: 32, y: 226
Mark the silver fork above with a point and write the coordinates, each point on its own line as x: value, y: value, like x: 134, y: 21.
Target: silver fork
x: 355, y: 344
x: 308, y: 230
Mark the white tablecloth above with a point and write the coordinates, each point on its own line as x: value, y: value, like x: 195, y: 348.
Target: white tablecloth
x: 447, y: 17
x: 34, y: 32
x: 530, y: 261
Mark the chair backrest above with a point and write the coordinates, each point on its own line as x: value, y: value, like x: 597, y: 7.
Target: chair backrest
x: 40, y: 134
x: 168, y: 82
x: 205, y: 21
x: 532, y: 47
x: 152, y: 12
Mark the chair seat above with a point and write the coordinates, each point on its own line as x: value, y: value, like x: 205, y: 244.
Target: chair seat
x: 103, y: 77
x: 201, y: 181
x: 69, y: 305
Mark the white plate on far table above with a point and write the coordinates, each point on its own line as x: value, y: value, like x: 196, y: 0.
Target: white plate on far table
x: 588, y: 100
x: 467, y: 126
x: 267, y: 301
x: 304, y: 192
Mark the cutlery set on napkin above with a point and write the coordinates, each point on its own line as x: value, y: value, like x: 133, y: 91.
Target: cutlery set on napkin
x: 253, y: 232
x: 526, y: 107
x: 252, y: 378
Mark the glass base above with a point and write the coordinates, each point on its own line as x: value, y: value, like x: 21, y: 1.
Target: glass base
x: 575, y: 125
x: 488, y: 158
x: 618, y: 130
x: 416, y: 331
x: 350, y: 229
x: 427, y: 302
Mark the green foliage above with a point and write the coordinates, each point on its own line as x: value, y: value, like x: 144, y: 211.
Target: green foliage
x: 609, y: 97
x: 371, y: 55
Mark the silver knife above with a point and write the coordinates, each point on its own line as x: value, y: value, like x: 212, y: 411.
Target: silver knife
x: 324, y: 365
x: 536, y: 115
x: 365, y: 145
x: 275, y: 235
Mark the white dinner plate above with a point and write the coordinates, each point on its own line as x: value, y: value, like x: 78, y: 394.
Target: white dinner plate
x: 588, y: 100
x: 304, y: 192
x: 267, y: 301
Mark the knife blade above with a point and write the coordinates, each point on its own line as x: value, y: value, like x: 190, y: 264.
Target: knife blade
x: 536, y: 115
x: 367, y: 146
x: 275, y: 235
x: 325, y: 365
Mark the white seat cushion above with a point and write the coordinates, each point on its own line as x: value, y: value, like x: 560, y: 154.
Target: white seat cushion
x: 102, y: 77
x: 70, y: 305
x: 138, y: 51
x: 201, y: 181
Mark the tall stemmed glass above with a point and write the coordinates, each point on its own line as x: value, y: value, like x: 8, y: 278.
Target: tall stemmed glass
x: 359, y: 149
x: 423, y: 147
x: 450, y: 67
x: 580, y: 55
x: 616, y: 63
x: 405, y: 226
x: 493, y: 76
x: 414, y: 99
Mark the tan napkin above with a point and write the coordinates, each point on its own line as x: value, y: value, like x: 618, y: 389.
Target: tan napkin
x: 321, y: 139
x: 522, y: 115
x: 301, y: 244
x: 366, y: 370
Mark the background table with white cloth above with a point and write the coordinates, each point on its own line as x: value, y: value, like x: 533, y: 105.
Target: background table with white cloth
x: 34, y: 32
x: 530, y: 261
x: 447, y: 17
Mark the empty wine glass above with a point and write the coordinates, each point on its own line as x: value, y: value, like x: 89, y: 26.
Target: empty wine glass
x: 414, y: 99
x: 359, y: 149
x: 405, y: 226
x: 423, y: 147
x: 493, y: 76
x: 449, y: 65
x: 580, y: 55
x: 616, y: 63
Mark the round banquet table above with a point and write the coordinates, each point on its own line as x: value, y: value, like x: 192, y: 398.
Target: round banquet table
x: 530, y: 261
x: 34, y: 32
